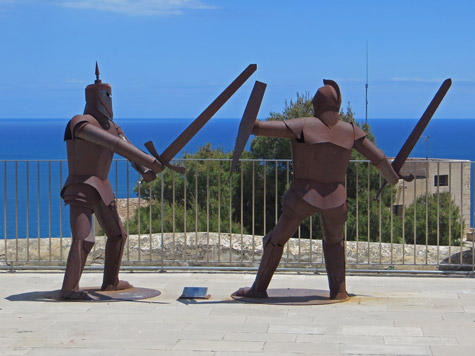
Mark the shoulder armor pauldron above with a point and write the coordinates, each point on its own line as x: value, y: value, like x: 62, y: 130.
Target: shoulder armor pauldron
x: 314, y: 131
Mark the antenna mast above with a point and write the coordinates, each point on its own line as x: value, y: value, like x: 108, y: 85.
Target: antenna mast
x: 366, y: 85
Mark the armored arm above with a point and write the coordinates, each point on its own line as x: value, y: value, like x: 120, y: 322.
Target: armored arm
x: 146, y: 173
x: 118, y: 145
x: 277, y: 129
x: 378, y: 158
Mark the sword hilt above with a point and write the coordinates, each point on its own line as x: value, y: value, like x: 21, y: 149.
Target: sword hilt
x: 407, y: 178
x: 151, y: 148
x: 380, y: 191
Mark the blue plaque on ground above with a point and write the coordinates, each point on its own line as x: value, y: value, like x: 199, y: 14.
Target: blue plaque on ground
x: 195, y: 293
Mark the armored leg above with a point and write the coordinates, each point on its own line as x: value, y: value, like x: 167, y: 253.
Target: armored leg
x: 273, y: 246
x: 82, y: 243
x: 335, y: 265
x: 269, y: 262
x: 87, y: 246
x: 294, y: 210
x: 332, y: 222
x: 116, y: 237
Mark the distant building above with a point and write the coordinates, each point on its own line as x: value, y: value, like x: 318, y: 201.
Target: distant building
x: 436, y: 176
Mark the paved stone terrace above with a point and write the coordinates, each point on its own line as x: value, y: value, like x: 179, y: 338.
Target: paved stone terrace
x: 387, y: 316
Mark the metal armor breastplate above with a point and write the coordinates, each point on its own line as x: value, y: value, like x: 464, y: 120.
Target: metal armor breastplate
x: 87, y: 158
x: 324, y: 154
x: 88, y: 162
x: 321, y: 160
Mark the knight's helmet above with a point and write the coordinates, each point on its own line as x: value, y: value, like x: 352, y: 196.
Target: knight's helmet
x: 327, y: 98
x: 99, y: 100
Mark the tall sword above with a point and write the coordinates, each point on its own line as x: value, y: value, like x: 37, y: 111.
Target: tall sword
x: 199, y: 122
x: 417, y: 131
x: 247, y: 122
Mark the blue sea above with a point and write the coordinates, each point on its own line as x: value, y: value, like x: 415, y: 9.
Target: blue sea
x: 40, y: 141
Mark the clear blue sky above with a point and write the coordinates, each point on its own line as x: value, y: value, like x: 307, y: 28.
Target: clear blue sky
x: 171, y: 58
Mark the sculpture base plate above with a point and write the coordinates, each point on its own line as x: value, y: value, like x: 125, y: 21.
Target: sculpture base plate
x: 130, y: 294
x: 292, y: 296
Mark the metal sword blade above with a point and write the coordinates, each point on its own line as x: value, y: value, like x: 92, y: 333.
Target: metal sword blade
x: 207, y: 114
x: 418, y: 130
x: 247, y: 122
x: 421, y: 125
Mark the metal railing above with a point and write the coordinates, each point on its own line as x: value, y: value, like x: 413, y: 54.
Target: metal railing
x: 204, y: 220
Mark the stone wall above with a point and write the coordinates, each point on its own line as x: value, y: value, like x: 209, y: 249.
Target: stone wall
x: 203, y: 249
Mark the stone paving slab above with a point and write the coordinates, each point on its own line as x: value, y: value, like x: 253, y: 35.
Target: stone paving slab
x: 387, y: 316
x: 452, y: 350
x: 397, y: 350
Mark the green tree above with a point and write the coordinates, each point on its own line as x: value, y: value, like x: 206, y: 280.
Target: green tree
x: 272, y: 148
x: 201, y: 197
x: 205, y: 199
x: 440, y: 213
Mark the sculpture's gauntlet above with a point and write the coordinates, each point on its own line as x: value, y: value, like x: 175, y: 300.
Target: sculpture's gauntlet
x: 387, y: 171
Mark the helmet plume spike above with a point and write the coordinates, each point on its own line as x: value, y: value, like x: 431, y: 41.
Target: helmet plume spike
x: 97, y: 81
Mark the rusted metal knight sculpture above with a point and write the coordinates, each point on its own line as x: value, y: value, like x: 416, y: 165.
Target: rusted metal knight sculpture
x: 321, y: 147
x: 92, y: 139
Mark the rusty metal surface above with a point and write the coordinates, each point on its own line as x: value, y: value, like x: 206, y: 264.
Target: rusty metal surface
x: 327, y: 98
x: 151, y: 148
x: 247, y: 122
x: 92, y: 139
x: 321, y: 151
x: 207, y: 114
x: 99, y: 158
x: 99, y: 101
x: 418, y: 129
x: 421, y: 125
x: 292, y: 296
